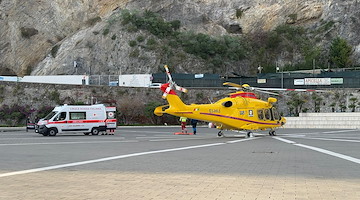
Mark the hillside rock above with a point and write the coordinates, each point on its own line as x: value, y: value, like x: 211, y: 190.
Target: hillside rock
x: 46, y: 37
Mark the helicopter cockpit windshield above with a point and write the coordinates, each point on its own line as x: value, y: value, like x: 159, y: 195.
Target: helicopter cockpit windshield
x: 275, y: 114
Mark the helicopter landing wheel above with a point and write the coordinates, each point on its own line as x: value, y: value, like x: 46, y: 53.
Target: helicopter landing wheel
x: 249, y: 134
x: 220, y: 134
x: 272, y: 133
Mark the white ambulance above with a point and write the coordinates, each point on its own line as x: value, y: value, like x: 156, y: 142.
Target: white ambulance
x: 78, y: 118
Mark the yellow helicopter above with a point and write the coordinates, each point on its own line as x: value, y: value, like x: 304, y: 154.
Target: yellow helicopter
x: 240, y: 111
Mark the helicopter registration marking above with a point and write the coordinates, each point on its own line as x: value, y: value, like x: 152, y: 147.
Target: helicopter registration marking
x: 214, y: 110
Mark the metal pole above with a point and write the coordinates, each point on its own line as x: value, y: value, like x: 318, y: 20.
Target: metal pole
x: 282, y: 78
x: 313, y: 67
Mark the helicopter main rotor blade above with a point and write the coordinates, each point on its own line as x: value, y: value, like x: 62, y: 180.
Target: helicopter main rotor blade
x: 172, y: 83
x: 233, y: 85
x: 168, y: 73
x: 266, y: 92
x: 244, y: 86
x: 166, y: 92
x: 285, y: 89
x: 181, y: 89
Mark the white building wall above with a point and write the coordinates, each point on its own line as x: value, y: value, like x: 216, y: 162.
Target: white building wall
x: 135, y: 80
x: 58, y: 79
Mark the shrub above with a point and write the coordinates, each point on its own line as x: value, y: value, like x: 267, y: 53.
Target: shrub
x: 140, y: 38
x: 175, y: 24
x: 54, y: 96
x: 28, y: 32
x: 151, y: 22
x: 239, y: 13
x: 135, y: 53
x: 293, y: 17
x: 54, y: 50
x: 93, y: 21
x: 132, y: 43
x: 106, y: 31
x: 14, y: 115
x: 340, y: 52
x: 149, y: 111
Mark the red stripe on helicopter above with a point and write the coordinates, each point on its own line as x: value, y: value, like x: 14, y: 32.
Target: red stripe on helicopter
x: 236, y: 118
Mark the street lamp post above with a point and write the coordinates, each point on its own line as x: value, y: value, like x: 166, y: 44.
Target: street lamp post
x: 282, y: 73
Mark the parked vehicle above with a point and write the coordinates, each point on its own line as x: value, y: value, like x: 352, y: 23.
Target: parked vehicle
x: 78, y: 118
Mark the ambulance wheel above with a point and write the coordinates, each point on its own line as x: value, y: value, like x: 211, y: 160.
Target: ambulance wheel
x: 95, y: 131
x: 52, y: 132
x: 86, y: 133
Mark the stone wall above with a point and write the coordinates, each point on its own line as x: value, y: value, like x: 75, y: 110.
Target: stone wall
x: 325, y: 121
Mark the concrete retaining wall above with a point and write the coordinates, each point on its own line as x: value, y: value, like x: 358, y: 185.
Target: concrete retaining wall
x: 325, y: 120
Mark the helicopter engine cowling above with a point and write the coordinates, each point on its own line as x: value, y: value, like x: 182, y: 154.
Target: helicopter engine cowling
x: 272, y: 100
x: 227, y: 104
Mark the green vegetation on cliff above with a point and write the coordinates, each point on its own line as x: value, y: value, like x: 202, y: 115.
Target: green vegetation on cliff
x: 288, y: 46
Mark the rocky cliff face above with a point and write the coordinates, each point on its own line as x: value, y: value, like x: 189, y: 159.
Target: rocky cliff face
x: 45, y: 37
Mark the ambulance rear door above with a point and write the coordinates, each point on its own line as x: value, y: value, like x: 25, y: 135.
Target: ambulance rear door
x: 111, y: 122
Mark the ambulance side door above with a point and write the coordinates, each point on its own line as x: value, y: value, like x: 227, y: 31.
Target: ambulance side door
x: 60, y: 121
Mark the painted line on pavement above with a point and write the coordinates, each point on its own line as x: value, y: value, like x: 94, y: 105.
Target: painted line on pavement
x: 242, y: 140
x: 57, y: 143
x: 331, y: 153
x: 141, y: 131
x: 178, y: 139
x: 330, y: 139
x: 284, y: 140
x: 156, y: 137
x: 61, y: 138
x: 109, y: 159
x: 292, y: 135
x: 341, y: 131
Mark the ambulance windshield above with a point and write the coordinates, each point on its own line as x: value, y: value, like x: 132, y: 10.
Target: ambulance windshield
x: 50, y: 115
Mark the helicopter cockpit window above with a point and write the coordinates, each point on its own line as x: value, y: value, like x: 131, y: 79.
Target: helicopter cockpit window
x: 261, y: 114
x: 275, y: 114
x: 267, y: 114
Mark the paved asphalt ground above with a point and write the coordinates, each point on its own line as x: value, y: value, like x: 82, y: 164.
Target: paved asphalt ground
x: 153, y: 163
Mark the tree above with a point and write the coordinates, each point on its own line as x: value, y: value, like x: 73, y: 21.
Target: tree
x: 340, y: 52
x: 131, y: 110
x: 353, y: 103
x: 149, y: 111
x: 317, y: 102
x: 295, y: 103
x: 333, y: 105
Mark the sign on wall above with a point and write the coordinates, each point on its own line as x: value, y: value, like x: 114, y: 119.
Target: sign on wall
x: 317, y: 81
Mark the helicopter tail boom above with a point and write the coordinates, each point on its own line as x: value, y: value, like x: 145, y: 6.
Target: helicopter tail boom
x: 175, y: 103
x: 175, y: 106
